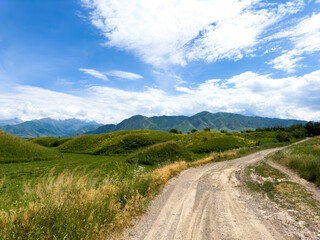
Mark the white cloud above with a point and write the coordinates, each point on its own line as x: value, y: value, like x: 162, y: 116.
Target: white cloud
x: 305, y: 37
x: 247, y: 93
x: 114, y: 73
x: 124, y: 75
x: 94, y: 73
x: 288, y: 61
x: 179, y: 31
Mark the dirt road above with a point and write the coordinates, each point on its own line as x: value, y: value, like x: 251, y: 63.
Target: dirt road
x: 207, y: 203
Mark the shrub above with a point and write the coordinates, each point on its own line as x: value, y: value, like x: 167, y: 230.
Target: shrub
x: 282, y: 136
x: 206, y: 129
x: 162, y: 152
x: 173, y: 130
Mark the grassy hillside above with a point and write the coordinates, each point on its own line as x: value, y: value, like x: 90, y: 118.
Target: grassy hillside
x: 14, y: 149
x: 215, y: 121
x: 86, y: 196
x: 121, y: 142
x: 49, y: 141
x: 124, y: 142
x: 159, y: 153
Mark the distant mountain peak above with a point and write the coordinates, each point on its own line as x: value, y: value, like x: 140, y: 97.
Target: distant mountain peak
x: 12, y: 121
x: 50, y: 127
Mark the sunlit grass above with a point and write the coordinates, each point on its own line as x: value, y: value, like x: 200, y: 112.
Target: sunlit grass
x: 303, y: 158
x: 87, y: 196
x: 14, y: 149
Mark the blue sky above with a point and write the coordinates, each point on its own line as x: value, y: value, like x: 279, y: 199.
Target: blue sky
x: 107, y: 60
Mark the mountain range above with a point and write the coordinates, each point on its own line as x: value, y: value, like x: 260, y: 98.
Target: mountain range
x: 74, y: 127
x: 215, y: 121
x: 50, y: 127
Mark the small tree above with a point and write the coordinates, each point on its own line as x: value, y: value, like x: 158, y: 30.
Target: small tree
x: 317, y: 128
x: 194, y: 130
x: 310, y: 128
x: 282, y: 136
x: 207, y: 129
x: 173, y: 130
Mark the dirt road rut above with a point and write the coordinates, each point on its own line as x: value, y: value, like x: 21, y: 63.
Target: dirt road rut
x: 207, y: 203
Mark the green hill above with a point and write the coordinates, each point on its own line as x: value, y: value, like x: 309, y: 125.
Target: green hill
x: 215, y: 121
x: 129, y: 141
x: 120, y: 142
x: 14, y: 149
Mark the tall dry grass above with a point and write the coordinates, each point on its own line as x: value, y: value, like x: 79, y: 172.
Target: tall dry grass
x: 73, y: 206
x: 76, y: 206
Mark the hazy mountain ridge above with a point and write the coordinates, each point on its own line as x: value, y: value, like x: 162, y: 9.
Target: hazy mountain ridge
x: 214, y: 121
x: 50, y: 127
x: 13, y: 121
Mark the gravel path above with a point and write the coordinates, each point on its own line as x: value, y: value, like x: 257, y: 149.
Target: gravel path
x: 207, y: 203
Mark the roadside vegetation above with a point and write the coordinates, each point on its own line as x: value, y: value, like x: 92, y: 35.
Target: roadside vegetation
x: 93, y: 186
x: 303, y: 158
x: 272, y: 183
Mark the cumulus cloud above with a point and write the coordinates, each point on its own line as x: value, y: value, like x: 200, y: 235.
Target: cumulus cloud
x: 305, y: 37
x: 124, y: 75
x: 94, y: 73
x: 180, y: 31
x: 246, y: 93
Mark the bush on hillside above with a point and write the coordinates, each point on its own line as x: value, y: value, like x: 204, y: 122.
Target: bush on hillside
x: 162, y: 152
x: 206, y: 129
x: 282, y: 136
x: 173, y: 130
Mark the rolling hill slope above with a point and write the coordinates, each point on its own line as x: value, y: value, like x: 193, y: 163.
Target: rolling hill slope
x: 14, y: 149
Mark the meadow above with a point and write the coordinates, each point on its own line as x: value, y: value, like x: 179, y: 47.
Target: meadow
x: 93, y: 186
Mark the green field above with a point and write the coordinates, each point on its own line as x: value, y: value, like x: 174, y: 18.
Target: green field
x: 90, y: 186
